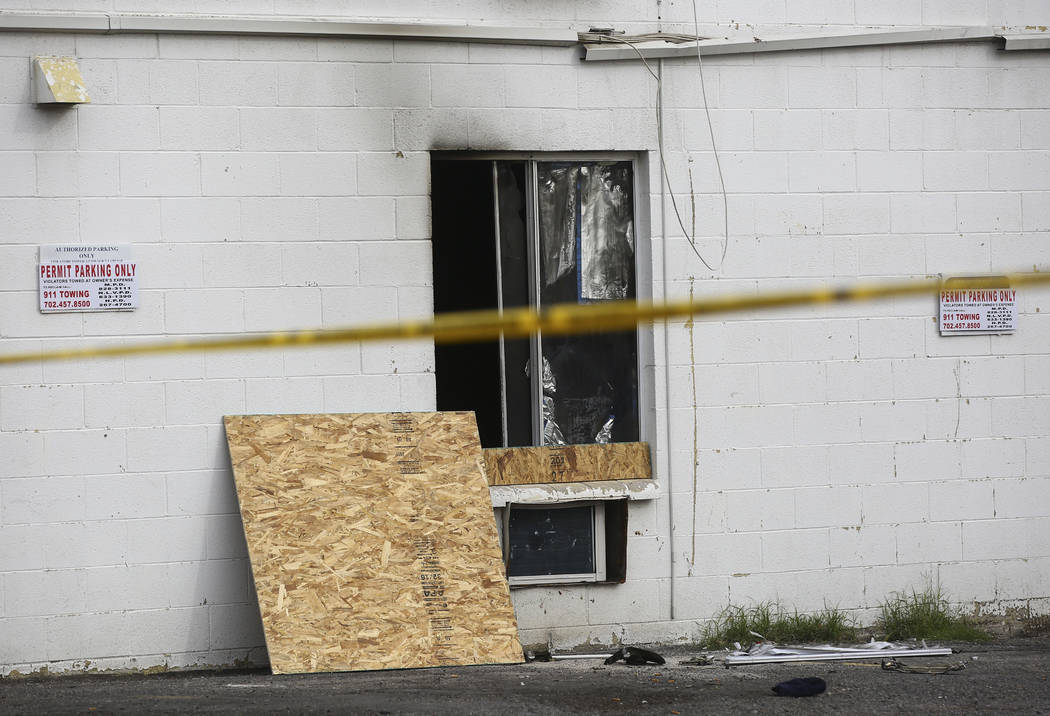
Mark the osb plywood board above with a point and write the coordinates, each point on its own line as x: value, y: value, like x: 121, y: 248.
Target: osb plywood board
x: 567, y: 463
x: 372, y: 541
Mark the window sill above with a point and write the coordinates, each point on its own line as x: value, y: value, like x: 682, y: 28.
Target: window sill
x: 555, y: 492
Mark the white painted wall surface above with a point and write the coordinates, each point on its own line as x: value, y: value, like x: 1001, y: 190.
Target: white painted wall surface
x: 839, y: 453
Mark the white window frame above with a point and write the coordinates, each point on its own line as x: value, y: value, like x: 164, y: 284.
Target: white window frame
x: 598, y: 529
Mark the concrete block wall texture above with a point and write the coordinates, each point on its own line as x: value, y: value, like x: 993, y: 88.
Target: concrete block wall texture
x: 119, y: 530
x: 839, y: 453
x: 881, y: 454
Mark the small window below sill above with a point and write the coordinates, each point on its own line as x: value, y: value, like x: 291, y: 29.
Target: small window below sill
x: 567, y: 533
x: 555, y: 544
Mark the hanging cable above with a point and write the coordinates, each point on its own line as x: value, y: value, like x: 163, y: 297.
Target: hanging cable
x: 689, y: 234
x: 711, y: 134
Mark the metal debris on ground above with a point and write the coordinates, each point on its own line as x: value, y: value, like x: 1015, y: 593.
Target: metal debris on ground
x: 540, y: 653
x: 635, y: 656
x: 560, y: 657
x: 537, y: 654
x: 767, y: 653
x: 945, y: 668
x: 699, y: 660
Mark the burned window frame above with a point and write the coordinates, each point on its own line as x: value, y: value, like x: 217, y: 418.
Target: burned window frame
x: 531, y: 403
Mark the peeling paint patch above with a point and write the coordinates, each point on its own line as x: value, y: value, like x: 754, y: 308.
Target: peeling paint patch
x: 567, y: 492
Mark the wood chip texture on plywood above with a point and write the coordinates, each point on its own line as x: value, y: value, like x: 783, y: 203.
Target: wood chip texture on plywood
x: 372, y: 541
x: 567, y: 463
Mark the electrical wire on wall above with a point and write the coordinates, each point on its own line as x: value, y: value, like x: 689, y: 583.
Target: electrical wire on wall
x: 721, y: 262
x: 714, y: 146
x: 667, y: 190
x: 631, y: 41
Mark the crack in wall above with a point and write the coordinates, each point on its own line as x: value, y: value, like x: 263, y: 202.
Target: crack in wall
x: 696, y: 450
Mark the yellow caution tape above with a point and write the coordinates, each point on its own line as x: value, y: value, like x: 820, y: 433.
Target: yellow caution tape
x: 559, y: 319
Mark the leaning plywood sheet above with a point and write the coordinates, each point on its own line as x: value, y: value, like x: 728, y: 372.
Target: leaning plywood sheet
x: 372, y: 541
x: 567, y: 463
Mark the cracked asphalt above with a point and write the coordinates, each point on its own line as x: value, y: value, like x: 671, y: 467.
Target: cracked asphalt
x: 1007, y: 675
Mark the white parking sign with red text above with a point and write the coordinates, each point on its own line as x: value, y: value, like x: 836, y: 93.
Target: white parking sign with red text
x: 978, y: 310
x: 88, y: 278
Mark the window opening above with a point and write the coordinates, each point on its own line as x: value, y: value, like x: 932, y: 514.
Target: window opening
x: 581, y: 541
x: 512, y: 233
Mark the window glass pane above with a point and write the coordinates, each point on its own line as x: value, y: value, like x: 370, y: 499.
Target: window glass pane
x: 586, y: 231
x: 555, y: 540
x: 592, y: 394
x: 606, y: 232
x: 514, y: 276
x: 587, y: 243
x: 559, y: 210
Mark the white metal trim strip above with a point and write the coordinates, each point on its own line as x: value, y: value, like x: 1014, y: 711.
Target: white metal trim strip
x: 655, y: 50
x: 1029, y: 41
x: 279, y: 26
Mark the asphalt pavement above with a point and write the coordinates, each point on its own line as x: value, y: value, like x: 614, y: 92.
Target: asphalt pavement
x: 1007, y: 675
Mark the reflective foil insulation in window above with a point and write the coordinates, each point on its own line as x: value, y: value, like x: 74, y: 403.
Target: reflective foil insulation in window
x: 586, y: 239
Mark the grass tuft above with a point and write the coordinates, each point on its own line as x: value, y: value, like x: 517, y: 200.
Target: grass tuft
x: 774, y: 623
x: 925, y: 615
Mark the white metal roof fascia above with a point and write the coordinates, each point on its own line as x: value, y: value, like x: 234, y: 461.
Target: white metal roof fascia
x: 552, y: 493
x: 656, y: 50
x: 1027, y: 41
x: 120, y: 23
x: 53, y: 22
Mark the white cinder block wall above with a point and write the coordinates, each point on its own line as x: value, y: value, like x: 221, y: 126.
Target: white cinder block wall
x: 838, y: 453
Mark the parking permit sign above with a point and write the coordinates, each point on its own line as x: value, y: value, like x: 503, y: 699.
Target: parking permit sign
x: 88, y: 278
x: 978, y: 310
